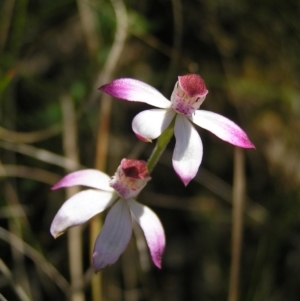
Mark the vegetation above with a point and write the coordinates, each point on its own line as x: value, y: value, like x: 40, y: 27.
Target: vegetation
x: 53, y: 120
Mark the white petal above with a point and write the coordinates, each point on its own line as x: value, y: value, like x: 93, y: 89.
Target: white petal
x: 88, y: 177
x: 80, y: 208
x: 153, y: 230
x: 188, y: 150
x: 135, y: 90
x: 149, y: 124
x: 114, y: 236
x: 222, y: 127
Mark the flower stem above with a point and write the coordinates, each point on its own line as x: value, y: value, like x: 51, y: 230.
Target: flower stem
x: 161, y: 145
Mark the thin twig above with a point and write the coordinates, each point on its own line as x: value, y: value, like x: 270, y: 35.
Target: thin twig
x: 16, y: 226
x: 7, y: 11
x: 29, y: 137
x: 237, y: 222
x: 74, y: 234
x: 104, y: 118
x: 26, y: 172
x: 116, y: 50
x: 17, y: 288
x: 12, y: 211
x: 38, y: 259
x: 41, y: 154
x: 2, y: 298
x: 177, y: 40
x: 87, y: 19
x: 220, y: 188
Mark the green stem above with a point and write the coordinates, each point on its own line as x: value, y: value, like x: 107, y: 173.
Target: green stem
x: 161, y: 145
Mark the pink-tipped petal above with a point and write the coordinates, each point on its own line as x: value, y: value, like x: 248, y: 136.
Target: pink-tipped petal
x: 114, y: 236
x: 80, y: 208
x: 152, y: 228
x: 222, y: 127
x: 135, y: 90
x: 188, y: 150
x: 149, y: 124
x: 88, y: 177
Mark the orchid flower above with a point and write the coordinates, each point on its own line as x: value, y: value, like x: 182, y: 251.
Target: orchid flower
x: 188, y: 94
x: 130, y: 178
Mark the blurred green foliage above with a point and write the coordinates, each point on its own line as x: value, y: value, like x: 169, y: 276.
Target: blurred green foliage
x: 248, y: 54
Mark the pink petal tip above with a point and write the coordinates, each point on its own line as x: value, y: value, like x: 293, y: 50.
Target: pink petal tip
x: 143, y: 139
x: 185, y: 180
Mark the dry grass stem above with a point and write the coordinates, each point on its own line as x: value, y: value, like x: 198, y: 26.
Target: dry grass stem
x: 36, y: 174
x: 7, y: 12
x: 16, y: 287
x: 38, y: 259
x: 239, y: 184
x: 104, y: 118
x: 30, y: 137
x: 41, y: 154
x: 88, y: 23
x: 74, y: 234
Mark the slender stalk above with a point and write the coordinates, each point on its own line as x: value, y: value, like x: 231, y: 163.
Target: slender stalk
x: 87, y: 17
x: 28, y: 137
x: 41, y: 154
x: 6, y: 19
x: 37, y: 257
x: 20, y: 292
x: 104, y: 119
x: 100, y: 163
x: 88, y: 22
x: 237, y: 223
x: 15, y: 226
x: 161, y: 145
x: 175, y: 58
x: 74, y: 234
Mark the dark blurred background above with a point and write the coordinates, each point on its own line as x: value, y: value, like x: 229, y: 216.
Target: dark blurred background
x: 54, y: 55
